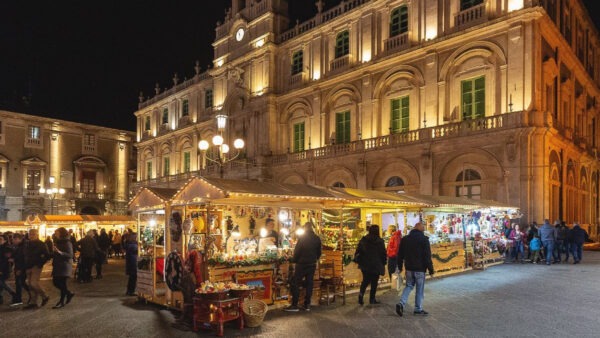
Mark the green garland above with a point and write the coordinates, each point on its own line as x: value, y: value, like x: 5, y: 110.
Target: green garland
x: 452, y: 255
x: 247, y: 262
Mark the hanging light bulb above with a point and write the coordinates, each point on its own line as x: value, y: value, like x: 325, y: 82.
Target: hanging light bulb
x: 224, y: 148
x: 203, y: 145
x: 217, y: 140
x: 238, y: 143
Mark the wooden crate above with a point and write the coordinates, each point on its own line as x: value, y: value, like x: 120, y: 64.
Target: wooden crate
x: 145, y: 284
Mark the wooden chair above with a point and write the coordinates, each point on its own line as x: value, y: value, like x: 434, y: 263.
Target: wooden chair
x: 331, y: 275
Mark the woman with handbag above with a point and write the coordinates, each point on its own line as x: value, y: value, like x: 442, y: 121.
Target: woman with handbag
x: 371, y: 257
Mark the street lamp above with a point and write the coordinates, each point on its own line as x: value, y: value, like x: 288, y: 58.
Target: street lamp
x: 52, y: 193
x: 223, y: 154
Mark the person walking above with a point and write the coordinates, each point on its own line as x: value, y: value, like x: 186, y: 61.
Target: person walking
x: 62, y: 265
x: 371, y: 258
x: 392, y: 250
x: 36, y: 255
x: 103, y: 244
x: 547, y: 235
x: 561, y: 241
x: 306, y: 254
x: 131, y: 254
x: 577, y: 236
x: 415, y: 255
x: 19, y: 268
x: 6, y: 253
x: 534, y: 247
x: 116, y: 243
x: 88, y: 249
x: 518, y: 237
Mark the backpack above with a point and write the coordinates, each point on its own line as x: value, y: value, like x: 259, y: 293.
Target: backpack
x: 394, y: 244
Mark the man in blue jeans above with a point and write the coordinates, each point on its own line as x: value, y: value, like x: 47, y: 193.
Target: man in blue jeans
x: 547, y: 235
x: 415, y: 254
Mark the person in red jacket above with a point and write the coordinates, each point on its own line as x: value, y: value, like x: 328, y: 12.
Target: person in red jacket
x: 392, y: 250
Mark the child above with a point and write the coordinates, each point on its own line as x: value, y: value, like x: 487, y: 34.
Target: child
x: 535, y: 246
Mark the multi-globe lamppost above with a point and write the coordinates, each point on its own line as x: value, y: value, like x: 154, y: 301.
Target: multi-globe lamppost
x: 52, y: 193
x: 222, y: 153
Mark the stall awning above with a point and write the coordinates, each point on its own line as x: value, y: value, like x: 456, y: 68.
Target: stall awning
x: 375, y: 198
x: 151, y: 198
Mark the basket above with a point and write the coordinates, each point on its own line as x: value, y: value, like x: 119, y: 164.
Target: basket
x: 254, y: 312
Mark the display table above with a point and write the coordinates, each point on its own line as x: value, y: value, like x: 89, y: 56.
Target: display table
x: 214, y: 313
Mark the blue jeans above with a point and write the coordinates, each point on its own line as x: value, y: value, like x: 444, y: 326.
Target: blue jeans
x: 412, y: 278
x: 566, y: 249
x: 558, y: 246
x: 518, y: 248
x: 577, y: 251
x: 548, y: 250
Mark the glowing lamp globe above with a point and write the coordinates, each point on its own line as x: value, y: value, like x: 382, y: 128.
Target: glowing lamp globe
x: 238, y: 143
x: 203, y: 145
x: 217, y: 140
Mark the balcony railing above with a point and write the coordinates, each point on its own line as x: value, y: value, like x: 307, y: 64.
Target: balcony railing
x: 340, y: 63
x: 397, y: 42
x: 296, y: 79
x: 462, y: 128
x: 90, y: 195
x: 470, y: 16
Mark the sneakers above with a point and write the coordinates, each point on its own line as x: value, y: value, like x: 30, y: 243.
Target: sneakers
x: 421, y: 313
x: 306, y: 308
x: 15, y: 303
x: 400, y: 309
x: 291, y: 308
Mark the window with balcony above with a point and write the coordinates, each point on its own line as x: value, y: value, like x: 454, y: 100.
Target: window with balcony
x: 299, y: 137
x: 297, y: 62
x: 185, y: 108
x: 342, y: 127
x: 473, y: 98
x: 208, y: 98
x: 166, y: 166
x: 87, y: 182
x: 165, y: 116
x: 34, y: 133
x: 469, y: 184
x: 466, y: 4
x: 342, y: 44
x: 148, y: 170
x: 187, y: 162
x: 399, y: 21
x: 147, y: 125
x: 399, y: 115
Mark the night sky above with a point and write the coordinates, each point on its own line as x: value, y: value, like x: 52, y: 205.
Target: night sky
x: 86, y: 61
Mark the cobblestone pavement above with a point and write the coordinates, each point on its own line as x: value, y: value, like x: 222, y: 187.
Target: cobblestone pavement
x: 505, y: 300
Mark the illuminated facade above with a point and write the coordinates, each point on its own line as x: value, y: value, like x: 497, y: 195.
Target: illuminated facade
x: 82, y: 168
x: 491, y: 99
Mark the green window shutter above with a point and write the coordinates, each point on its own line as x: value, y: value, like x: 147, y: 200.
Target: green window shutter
x: 342, y: 127
x: 404, y: 110
x: 473, y: 98
x: 299, y: 137
x: 399, y: 21
x: 342, y: 44
x: 297, y: 62
x: 185, y: 109
x: 148, y: 170
x: 395, y: 116
x: 165, y: 116
x: 208, y: 98
x: 186, y: 162
x: 147, y: 123
x: 466, y: 4
x: 167, y: 167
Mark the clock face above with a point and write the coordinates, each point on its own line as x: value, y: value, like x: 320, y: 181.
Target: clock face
x: 239, y: 35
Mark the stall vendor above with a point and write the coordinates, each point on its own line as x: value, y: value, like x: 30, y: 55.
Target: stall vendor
x: 269, y: 237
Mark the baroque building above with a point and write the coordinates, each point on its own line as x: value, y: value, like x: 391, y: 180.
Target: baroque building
x: 490, y: 99
x: 82, y: 168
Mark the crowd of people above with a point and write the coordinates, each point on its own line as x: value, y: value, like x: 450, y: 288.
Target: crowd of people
x: 24, y: 255
x: 547, y: 244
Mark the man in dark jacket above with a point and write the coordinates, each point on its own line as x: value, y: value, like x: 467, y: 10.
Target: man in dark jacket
x: 371, y: 256
x: 87, y: 248
x: 5, y: 257
x: 306, y: 254
x: 415, y: 254
x: 36, y: 255
x: 576, y: 237
x: 547, y: 235
x: 20, y: 271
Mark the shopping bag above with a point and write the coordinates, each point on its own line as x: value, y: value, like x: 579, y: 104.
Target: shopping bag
x: 396, y: 281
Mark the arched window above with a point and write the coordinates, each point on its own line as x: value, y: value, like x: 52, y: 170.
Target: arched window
x: 394, y: 181
x: 466, y: 4
x: 342, y: 44
x: 399, y: 21
x: 470, y: 184
x: 339, y: 185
